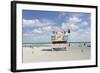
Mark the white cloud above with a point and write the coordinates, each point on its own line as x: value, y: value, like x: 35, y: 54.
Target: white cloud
x: 30, y: 22
x: 72, y: 22
x: 74, y: 19
x: 61, y: 15
x: 42, y: 38
x: 37, y: 31
x: 78, y: 15
x: 30, y: 37
x: 64, y: 26
x: 47, y: 28
x: 73, y: 26
x: 56, y: 28
x: 36, y: 22
x: 68, y: 25
x: 81, y: 30
x: 84, y: 23
x: 27, y: 34
x: 80, y: 36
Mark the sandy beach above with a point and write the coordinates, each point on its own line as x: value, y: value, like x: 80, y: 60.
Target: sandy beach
x: 44, y: 54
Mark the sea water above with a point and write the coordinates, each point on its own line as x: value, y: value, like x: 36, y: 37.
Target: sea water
x: 71, y: 44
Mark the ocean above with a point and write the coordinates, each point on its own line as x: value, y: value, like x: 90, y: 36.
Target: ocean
x: 71, y: 44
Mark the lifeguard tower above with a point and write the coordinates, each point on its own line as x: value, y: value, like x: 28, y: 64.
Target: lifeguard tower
x: 60, y: 39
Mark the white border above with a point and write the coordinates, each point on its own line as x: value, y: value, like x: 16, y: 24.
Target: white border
x: 21, y: 66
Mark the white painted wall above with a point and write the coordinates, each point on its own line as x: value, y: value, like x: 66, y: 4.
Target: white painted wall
x: 5, y: 36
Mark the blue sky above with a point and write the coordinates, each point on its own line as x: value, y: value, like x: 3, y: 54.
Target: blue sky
x: 38, y: 25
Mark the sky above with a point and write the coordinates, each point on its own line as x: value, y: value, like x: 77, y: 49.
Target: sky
x: 38, y: 25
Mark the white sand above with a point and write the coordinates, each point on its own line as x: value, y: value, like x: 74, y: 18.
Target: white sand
x: 37, y: 55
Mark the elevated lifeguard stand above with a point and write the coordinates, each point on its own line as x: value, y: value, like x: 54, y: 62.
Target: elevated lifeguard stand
x: 60, y: 39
